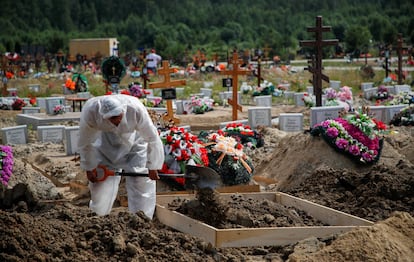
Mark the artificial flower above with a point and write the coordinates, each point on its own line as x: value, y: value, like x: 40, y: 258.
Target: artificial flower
x: 6, y: 164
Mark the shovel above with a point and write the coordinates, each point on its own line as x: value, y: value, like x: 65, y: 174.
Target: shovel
x: 195, y: 176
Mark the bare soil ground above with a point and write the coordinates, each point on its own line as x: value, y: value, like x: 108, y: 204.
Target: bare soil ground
x: 44, y: 214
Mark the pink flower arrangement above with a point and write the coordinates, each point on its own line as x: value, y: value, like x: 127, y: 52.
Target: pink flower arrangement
x: 6, y: 164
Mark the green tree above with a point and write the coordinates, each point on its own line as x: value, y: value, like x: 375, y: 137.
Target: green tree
x: 357, y: 38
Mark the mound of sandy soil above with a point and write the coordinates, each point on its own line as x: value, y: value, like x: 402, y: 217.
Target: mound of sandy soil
x: 44, y: 214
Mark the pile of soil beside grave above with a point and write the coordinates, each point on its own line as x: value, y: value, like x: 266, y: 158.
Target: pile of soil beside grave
x: 240, y: 211
x: 47, y: 219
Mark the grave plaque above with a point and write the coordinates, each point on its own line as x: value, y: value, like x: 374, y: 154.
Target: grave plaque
x: 259, y: 116
x: 335, y: 84
x: 309, y: 90
x: 14, y: 135
x: 12, y: 91
x: 50, y: 133
x: 391, y: 111
x: 366, y: 85
x: 289, y: 94
x: 168, y: 94
x: 41, y: 102
x: 51, y: 102
x: 35, y: 88
x: 30, y: 110
x: 179, y: 107
x: 319, y: 114
x: 298, y: 98
x: 291, y: 122
x: 263, y: 101
x: 71, y: 140
x: 369, y: 93
x: 402, y: 88
x: 208, y: 84
x: 206, y: 92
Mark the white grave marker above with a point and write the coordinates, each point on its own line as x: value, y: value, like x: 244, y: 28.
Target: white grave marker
x: 34, y: 88
x: 206, y: 92
x: 322, y: 113
x: 14, y: 135
x: 402, y: 88
x: 366, y: 85
x: 50, y: 133
x: 51, y: 102
x: 291, y: 122
x: 335, y: 84
x: 30, y: 110
x: 71, y: 140
x: 263, y: 101
x: 259, y: 116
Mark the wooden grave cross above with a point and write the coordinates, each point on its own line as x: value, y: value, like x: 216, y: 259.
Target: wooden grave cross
x: 234, y: 73
x: 166, y: 71
x: 4, y: 63
x: 316, y: 68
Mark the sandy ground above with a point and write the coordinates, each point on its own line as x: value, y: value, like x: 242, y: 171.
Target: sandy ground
x: 44, y: 214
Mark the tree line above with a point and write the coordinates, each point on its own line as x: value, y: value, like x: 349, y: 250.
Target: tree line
x: 179, y: 28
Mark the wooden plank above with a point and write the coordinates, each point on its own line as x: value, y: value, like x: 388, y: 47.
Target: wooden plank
x: 186, y: 224
x: 226, y: 189
x: 325, y: 214
x: 273, y: 236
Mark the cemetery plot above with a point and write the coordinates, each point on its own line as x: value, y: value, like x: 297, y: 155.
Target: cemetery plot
x: 291, y: 122
x: 14, y: 135
x: 331, y: 221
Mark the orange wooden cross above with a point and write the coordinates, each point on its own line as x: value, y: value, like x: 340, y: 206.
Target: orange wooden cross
x: 234, y: 72
x: 166, y: 71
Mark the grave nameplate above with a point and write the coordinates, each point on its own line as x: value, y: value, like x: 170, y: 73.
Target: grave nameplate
x: 378, y: 112
x: 259, y: 116
x: 34, y: 88
x: 30, y: 110
x: 309, y: 90
x: 335, y: 84
x: 289, y: 94
x: 50, y: 133
x: 263, y: 101
x: 41, y: 102
x: 51, y: 102
x: 291, y: 122
x: 179, y: 105
x: 206, y: 92
x: 391, y: 111
x: 12, y: 91
x: 366, y: 85
x: 71, y: 140
x: 319, y: 114
x: 229, y: 95
x: 298, y: 98
x: 402, y: 88
x: 14, y: 135
x: 369, y: 93
x: 208, y: 84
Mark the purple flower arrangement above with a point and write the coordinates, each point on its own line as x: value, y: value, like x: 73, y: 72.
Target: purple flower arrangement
x: 6, y: 164
x: 358, y: 136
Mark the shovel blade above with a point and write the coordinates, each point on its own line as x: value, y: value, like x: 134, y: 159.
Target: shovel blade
x: 201, y: 177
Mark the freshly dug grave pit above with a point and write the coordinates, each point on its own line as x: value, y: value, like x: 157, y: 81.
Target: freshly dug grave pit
x: 240, y: 211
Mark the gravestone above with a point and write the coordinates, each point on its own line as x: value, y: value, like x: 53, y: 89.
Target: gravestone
x: 35, y: 88
x: 298, y: 98
x: 391, y: 111
x: 391, y: 90
x: 30, y: 110
x: 12, y: 91
x: 206, y: 92
x: 335, y: 84
x: 319, y: 114
x: 41, y: 102
x: 369, y: 93
x: 259, y: 116
x: 50, y: 133
x: 51, y: 102
x: 208, y: 84
x: 378, y: 112
x: 224, y: 124
x: 229, y: 94
x: 309, y: 90
x: 289, y: 94
x: 366, y: 85
x: 263, y: 101
x: 402, y: 88
x: 291, y: 122
x: 71, y: 140
x: 14, y: 135
x: 179, y: 107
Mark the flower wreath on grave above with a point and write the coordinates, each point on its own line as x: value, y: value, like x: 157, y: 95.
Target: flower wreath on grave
x: 356, y: 135
x: 18, y: 104
x: 227, y: 158
x: 135, y: 89
x: 181, y: 148
x: 382, y: 93
x: 405, y: 117
x: 59, y: 109
x: 402, y: 98
x: 6, y: 164
x: 244, y: 134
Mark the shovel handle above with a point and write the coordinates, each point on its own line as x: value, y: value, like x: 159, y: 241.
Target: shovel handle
x: 102, y: 172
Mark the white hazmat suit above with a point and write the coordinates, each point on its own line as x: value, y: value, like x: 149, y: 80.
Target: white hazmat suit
x: 132, y: 146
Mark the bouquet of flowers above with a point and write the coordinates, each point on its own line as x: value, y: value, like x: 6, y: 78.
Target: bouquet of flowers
x: 243, y: 134
x: 227, y: 158
x: 59, y: 109
x: 18, y: 104
x: 6, y: 164
x: 357, y: 135
x: 308, y: 100
x: 201, y: 105
x: 382, y: 93
x: 405, y: 117
x: 181, y: 148
x: 135, y: 89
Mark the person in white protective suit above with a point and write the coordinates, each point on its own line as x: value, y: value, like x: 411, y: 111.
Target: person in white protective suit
x: 116, y: 131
